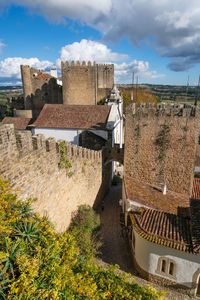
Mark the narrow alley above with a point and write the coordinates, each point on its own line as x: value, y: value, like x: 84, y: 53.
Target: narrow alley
x: 115, y: 247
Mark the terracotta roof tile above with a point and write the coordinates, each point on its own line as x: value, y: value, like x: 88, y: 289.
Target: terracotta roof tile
x: 153, y: 198
x: 164, y: 228
x: 196, y: 188
x: 73, y: 116
x: 195, y: 223
x: 19, y: 123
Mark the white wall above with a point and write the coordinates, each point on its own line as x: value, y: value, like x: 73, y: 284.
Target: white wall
x: 147, y: 255
x: 69, y: 135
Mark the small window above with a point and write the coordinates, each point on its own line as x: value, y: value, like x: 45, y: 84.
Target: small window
x: 163, y: 265
x: 171, y: 268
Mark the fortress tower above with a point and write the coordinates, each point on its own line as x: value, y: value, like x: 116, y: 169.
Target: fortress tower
x: 86, y: 83
x: 160, y: 146
x: 39, y: 88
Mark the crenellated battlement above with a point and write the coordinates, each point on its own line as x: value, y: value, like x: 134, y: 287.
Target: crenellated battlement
x: 168, y: 110
x: 72, y: 63
x: 16, y: 144
x: 58, y: 180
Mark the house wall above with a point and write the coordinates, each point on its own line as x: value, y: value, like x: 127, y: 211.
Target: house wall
x: 32, y: 164
x: 68, y: 135
x: 160, y: 146
x: 147, y: 255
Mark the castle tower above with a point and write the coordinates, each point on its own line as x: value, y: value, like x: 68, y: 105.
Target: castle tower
x: 39, y: 88
x: 86, y: 84
x: 27, y: 86
x: 160, y: 146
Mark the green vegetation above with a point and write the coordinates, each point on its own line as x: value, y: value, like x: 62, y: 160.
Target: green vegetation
x: 64, y: 160
x: 162, y: 141
x: 37, y: 263
x: 142, y: 95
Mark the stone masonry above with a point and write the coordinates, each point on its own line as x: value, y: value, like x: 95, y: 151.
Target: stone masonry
x: 31, y: 163
x: 85, y: 84
x: 39, y: 88
x: 160, y: 145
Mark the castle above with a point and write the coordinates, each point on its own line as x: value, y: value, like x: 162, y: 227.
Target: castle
x: 160, y: 198
x: 80, y: 84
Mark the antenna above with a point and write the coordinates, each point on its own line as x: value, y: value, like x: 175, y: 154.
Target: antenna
x: 136, y: 92
x: 187, y: 87
x: 133, y: 77
x: 197, y: 94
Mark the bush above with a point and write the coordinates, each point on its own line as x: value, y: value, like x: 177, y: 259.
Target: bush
x: 85, y: 227
x: 37, y: 263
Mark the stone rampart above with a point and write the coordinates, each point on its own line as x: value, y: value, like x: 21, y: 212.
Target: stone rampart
x: 160, y: 145
x: 34, y: 167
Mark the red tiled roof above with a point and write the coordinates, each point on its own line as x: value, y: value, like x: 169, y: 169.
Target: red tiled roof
x: 73, y: 116
x: 151, y: 197
x: 19, y: 123
x: 44, y: 76
x: 196, y: 188
x: 163, y: 228
x: 195, y: 223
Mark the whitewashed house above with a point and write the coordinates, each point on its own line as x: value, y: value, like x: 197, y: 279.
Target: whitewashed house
x: 164, y: 234
x: 83, y: 125
x: 115, y: 119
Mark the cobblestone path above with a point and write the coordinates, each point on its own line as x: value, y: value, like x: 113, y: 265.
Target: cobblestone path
x: 115, y: 249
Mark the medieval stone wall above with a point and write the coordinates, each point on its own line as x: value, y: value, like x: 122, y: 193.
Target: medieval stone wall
x: 160, y: 145
x: 86, y: 84
x: 32, y: 164
x: 39, y: 88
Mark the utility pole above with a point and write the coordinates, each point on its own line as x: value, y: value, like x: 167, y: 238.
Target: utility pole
x: 136, y: 92
x: 133, y: 77
x: 187, y: 87
x: 197, y: 94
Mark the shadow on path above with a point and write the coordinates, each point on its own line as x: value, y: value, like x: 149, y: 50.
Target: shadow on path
x: 115, y: 248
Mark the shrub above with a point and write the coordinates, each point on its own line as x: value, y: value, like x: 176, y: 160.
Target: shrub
x: 37, y: 263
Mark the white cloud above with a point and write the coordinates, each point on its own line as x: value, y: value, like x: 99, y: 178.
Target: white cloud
x: 90, y: 51
x: 124, y: 71
x: 58, y: 10
x: 174, y: 26
x: 10, y: 67
x: 84, y: 50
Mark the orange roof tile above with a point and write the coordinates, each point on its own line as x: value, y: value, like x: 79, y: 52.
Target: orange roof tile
x: 19, y: 123
x: 73, y: 116
x: 151, y: 197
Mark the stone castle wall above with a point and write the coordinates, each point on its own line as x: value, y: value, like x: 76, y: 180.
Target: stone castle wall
x: 31, y: 163
x: 86, y: 84
x: 160, y: 145
x: 39, y: 88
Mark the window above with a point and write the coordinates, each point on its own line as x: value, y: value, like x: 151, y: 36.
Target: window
x: 166, y: 267
x: 171, y: 268
x: 163, y: 265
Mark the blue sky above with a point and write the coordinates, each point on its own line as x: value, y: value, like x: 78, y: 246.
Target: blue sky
x: 159, y: 42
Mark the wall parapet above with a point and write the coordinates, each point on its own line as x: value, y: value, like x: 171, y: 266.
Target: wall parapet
x: 168, y: 110
x: 15, y: 144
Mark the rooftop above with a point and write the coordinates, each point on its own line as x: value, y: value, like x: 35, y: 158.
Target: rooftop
x: 19, y: 123
x: 151, y: 197
x: 196, y: 188
x: 195, y: 223
x: 165, y: 229
x: 73, y: 116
